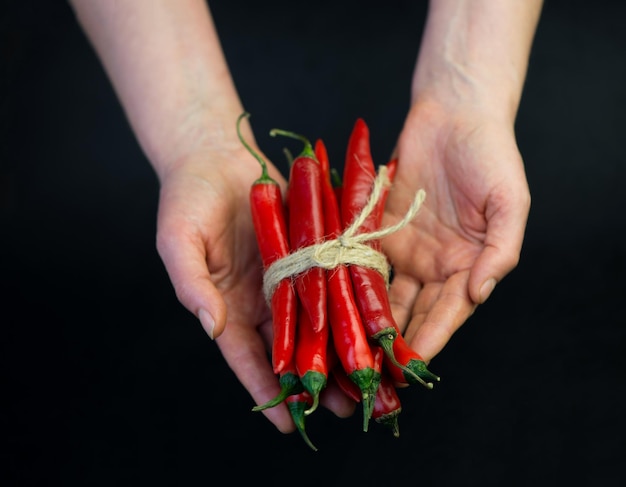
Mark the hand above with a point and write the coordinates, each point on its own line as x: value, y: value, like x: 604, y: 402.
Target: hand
x: 469, y: 232
x: 206, y: 240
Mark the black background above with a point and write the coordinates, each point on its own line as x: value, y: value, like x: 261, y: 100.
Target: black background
x: 107, y: 380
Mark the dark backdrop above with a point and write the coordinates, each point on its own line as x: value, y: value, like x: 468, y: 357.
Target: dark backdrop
x: 107, y: 380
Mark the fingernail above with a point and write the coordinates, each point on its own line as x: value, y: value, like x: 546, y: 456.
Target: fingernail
x: 207, y: 321
x: 486, y: 289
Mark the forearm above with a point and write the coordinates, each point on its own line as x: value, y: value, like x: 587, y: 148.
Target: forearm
x: 165, y: 62
x: 476, y: 52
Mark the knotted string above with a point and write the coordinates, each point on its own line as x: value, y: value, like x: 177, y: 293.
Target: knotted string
x: 349, y: 248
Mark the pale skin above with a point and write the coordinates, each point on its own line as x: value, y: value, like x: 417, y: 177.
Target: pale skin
x: 166, y: 65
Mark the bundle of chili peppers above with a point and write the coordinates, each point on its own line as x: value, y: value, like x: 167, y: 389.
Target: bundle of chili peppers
x: 331, y: 320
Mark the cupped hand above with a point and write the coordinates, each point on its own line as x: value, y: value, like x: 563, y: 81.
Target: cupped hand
x: 206, y: 240
x: 468, y: 234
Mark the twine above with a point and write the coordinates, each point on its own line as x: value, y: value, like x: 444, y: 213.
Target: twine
x: 349, y: 248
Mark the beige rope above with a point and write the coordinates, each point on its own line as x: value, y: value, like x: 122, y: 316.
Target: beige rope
x: 349, y: 248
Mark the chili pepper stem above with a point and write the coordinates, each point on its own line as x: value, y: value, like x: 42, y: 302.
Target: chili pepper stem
x: 418, y: 368
x: 391, y: 420
x: 297, y: 410
x: 368, y: 380
x: 289, y: 385
x: 335, y: 177
x: 308, y: 147
x: 265, y: 177
x: 385, y: 339
x: 288, y: 156
x: 313, y: 382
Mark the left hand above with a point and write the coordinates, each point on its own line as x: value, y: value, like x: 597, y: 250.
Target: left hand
x: 468, y: 234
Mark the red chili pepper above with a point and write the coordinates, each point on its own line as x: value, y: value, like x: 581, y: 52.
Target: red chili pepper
x: 387, y: 406
x: 378, y: 309
x: 298, y: 405
x: 321, y: 154
x: 378, y: 353
x: 349, y: 337
x: 375, y: 219
x: 359, y: 172
x: 311, y: 358
x: 268, y: 217
x: 387, y: 402
x: 306, y: 226
x: 344, y: 382
x: 338, y: 374
x: 369, y: 284
x: 412, y: 368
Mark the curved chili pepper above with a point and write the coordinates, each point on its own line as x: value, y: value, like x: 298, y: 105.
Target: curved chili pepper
x: 310, y: 358
x: 376, y: 309
x: 349, y: 337
x: 306, y: 226
x: 370, y: 286
x: 268, y: 217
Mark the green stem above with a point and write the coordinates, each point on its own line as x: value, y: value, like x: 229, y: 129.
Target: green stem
x: 313, y: 382
x: 418, y: 368
x: 288, y: 156
x: 367, y: 380
x: 385, y: 339
x: 335, y: 178
x: 298, y: 413
x: 265, y: 176
x: 391, y: 420
x: 289, y: 385
x: 308, y: 148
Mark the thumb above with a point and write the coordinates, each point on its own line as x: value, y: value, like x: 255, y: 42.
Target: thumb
x: 506, y: 224
x: 185, y: 261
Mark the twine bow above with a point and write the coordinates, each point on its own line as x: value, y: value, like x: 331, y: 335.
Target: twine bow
x: 349, y: 248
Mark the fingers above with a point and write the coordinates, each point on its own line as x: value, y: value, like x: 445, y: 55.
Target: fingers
x: 242, y: 347
x: 440, y: 310
x: 184, y: 258
x: 503, y: 242
x: 244, y: 350
x: 402, y: 295
x: 335, y: 400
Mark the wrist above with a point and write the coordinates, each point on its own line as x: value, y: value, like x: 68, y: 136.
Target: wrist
x: 474, y: 54
x: 455, y: 89
x: 212, y: 137
x: 213, y: 152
